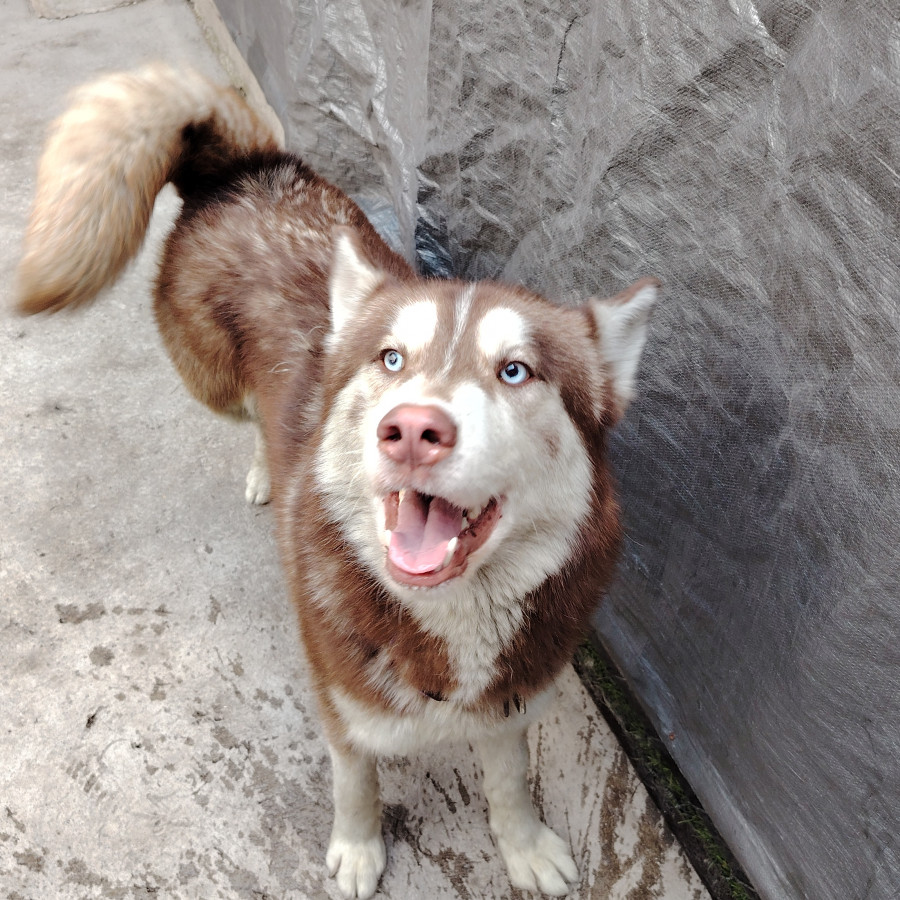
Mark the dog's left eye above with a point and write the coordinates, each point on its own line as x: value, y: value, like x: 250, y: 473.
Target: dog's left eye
x: 514, y: 373
x: 392, y: 359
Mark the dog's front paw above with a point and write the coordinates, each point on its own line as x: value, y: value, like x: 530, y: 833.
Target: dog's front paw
x: 543, y: 863
x: 357, y: 865
x: 259, y: 486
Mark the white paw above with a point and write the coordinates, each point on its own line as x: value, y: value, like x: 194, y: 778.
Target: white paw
x: 259, y: 487
x: 357, y: 865
x: 543, y: 864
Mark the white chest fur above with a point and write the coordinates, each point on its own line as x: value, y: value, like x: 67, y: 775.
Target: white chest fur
x: 432, y: 722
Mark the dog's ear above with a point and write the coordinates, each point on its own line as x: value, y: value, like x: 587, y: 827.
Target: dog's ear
x: 352, y: 279
x: 622, y: 326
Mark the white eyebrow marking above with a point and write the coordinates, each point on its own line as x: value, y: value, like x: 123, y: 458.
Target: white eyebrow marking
x: 415, y: 325
x: 461, y: 316
x: 461, y: 311
x: 501, y: 327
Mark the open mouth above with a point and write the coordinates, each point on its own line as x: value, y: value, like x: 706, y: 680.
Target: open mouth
x: 429, y: 540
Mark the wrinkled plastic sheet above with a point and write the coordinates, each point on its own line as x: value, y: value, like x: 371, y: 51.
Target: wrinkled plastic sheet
x: 748, y: 155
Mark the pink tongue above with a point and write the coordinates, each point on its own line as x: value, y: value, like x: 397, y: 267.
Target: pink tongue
x: 419, y: 542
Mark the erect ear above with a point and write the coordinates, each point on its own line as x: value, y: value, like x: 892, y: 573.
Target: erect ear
x: 622, y: 323
x: 352, y: 279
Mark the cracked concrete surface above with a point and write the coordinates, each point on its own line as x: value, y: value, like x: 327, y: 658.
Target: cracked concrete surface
x: 158, y: 736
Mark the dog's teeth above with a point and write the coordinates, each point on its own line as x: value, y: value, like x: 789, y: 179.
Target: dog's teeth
x: 465, y: 522
x: 386, y: 538
x: 474, y: 513
x: 451, y: 549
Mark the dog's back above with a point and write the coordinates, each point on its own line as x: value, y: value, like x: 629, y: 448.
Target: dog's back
x: 242, y: 298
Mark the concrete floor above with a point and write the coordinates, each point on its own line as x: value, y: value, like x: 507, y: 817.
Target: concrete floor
x: 157, y: 731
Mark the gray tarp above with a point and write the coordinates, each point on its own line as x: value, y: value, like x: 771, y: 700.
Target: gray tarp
x: 748, y: 155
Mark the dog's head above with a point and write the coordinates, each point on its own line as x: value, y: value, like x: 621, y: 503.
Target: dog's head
x: 464, y: 423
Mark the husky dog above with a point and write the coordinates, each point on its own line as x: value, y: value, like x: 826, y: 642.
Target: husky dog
x: 435, y: 450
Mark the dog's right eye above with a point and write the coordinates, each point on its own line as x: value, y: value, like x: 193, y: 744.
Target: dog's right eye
x: 392, y: 360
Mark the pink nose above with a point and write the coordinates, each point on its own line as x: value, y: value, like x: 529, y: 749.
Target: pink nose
x: 416, y: 435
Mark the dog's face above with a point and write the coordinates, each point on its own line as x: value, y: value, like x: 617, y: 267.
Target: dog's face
x: 462, y: 423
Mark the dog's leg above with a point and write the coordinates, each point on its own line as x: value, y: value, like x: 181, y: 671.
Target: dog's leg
x: 356, y: 854
x: 536, y: 857
x: 259, y: 485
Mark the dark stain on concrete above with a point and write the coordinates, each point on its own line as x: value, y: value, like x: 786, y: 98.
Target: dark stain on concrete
x: 101, y: 656
x: 227, y: 740
x: 537, y: 770
x: 244, y: 883
x: 451, y: 803
x: 652, y: 844
x: 71, y: 614
x: 275, y: 702
x: 30, y: 860
x: 78, y: 874
x: 18, y: 825
x: 187, y: 872
x: 396, y: 820
x: 461, y: 787
x: 616, y: 795
x: 457, y: 868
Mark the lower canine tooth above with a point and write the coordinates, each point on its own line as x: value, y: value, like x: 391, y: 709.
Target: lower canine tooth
x: 451, y: 549
x: 386, y: 538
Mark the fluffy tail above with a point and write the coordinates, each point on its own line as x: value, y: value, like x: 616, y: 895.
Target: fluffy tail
x: 108, y: 156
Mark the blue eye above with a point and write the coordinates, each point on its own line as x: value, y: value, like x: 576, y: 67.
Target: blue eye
x: 514, y: 373
x: 392, y: 359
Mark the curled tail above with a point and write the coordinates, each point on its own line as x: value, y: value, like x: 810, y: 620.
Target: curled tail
x: 108, y: 156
